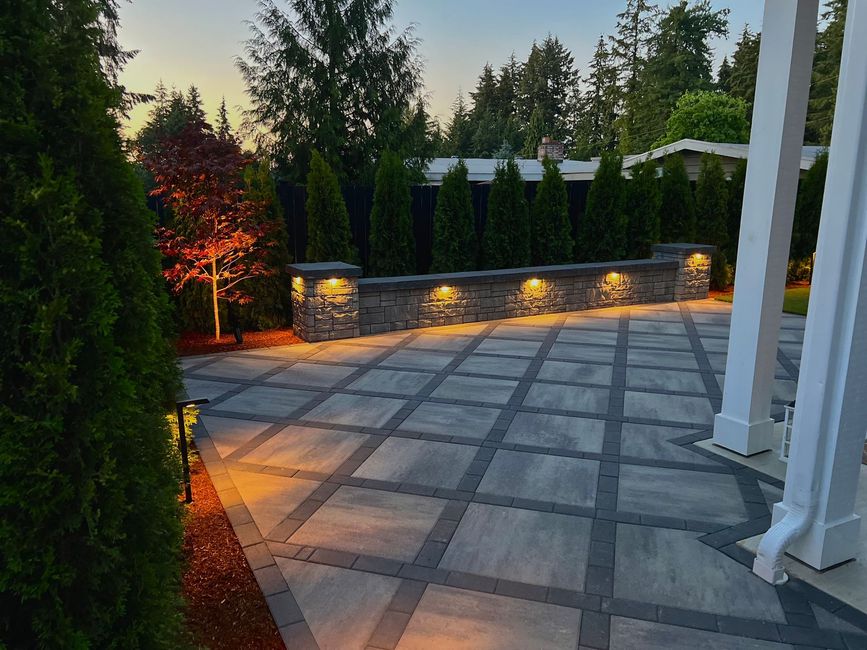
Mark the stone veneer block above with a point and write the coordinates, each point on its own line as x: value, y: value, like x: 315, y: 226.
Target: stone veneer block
x: 325, y: 300
x: 693, y: 268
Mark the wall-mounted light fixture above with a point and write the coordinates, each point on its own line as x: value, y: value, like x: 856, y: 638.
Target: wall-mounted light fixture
x: 613, y: 278
x: 298, y: 279
x: 333, y: 281
x: 535, y: 282
x: 444, y: 290
x: 698, y: 257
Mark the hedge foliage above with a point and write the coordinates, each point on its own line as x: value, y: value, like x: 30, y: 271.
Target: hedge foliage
x: 602, y: 229
x: 329, y: 238
x: 392, y: 244
x: 678, y: 206
x: 808, y: 209
x: 552, y: 231
x: 506, y: 242
x: 89, y: 519
x: 643, y: 202
x: 455, y: 246
x: 711, y: 210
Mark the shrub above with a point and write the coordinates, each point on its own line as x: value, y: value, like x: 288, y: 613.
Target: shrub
x: 642, y: 209
x: 89, y: 519
x: 392, y: 245
x: 711, y: 208
x: 455, y: 247
x: 677, y: 215
x: 736, y: 202
x: 602, y: 229
x: 552, y: 232
x: 707, y: 115
x: 329, y: 238
x: 507, y: 229
x: 808, y: 209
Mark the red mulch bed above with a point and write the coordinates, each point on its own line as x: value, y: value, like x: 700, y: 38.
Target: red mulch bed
x: 193, y: 343
x: 225, y: 608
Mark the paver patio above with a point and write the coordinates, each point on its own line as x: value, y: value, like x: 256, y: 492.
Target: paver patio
x: 530, y: 483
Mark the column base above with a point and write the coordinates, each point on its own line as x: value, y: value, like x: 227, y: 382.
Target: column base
x: 743, y: 438
x: 824, y: 545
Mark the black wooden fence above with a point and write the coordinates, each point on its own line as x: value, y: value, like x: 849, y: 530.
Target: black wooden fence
x: 359, y: 200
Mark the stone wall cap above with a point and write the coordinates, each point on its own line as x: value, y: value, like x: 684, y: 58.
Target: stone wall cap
x: 683, y: 248
x: 510, y: 275
x: 324, y: 270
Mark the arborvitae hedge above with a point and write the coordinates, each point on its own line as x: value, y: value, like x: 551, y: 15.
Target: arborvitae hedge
x: 552, y: 232
x: 455, y: 246
x: 602, y: 229
x: 89, y: 519
x: 392, y: 245
x: 271, y: 304
x: 642, y: 209
x: 677, y: 217
x: 808, y: 209
x: 711, y: 210
x: 329, y: 238
x: 736, y: 201
x: 507, y: 229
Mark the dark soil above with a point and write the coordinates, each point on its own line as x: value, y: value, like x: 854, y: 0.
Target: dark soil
x: 193, y: 343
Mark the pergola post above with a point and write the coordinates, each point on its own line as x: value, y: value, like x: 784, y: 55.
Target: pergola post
x: 831, y: 412
x: 779, y: 114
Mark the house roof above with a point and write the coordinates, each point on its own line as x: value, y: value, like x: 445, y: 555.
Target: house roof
x: 482, y: 169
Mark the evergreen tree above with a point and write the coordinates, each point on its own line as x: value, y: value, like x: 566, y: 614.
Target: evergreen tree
x: 195, y: 110
x: 745, y: 66
x: 826, y: 73
x: 677, y: 215
x: 223, y: 128
x: 392, y: 246
x: 331, y: 75
x: 709, y: 116
x: 808, y: 209
x: 679, y: 61
x: 506, y: 241
x: 735, y: 204
x: 169, y: 115
x: 89, y: 519
x: 329, y: 238
x: 547, y: 78
x: 536, y: 130
x: 508, y: 83
x: 459, y: 130
x: 455, y: 246
x: 643, y: 201
x: 599, y: 107
x: 724, y: 76
x: 552, y: 231
x: 418, y: 141
x: 271, y: 302
x: 711, y: 210
x: 602, y: 229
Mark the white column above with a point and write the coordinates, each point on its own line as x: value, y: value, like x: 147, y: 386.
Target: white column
x: 779, y: 114
x: 831, y: 411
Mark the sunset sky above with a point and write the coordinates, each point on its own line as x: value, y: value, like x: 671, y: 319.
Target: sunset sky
x: 196, y: 41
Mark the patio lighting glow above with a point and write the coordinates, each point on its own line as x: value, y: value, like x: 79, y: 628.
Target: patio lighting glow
x: 613, y: 278
x: 535, y: 282
x: 298, y: 279
x: 698, y: 257
x: 445, y: 290
x: 333, y: 281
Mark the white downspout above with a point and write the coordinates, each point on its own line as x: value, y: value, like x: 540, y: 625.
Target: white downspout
x: 841, y: 243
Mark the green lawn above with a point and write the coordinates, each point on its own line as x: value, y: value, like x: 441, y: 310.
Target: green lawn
x: 795, y: 301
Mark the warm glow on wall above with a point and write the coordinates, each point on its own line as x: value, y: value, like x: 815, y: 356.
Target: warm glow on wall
x: 535, y: 282
x: 298, y: 279
x: 444, y: 290
x: 333, y: 281
x: 613, y: 278
x: 698, y: 257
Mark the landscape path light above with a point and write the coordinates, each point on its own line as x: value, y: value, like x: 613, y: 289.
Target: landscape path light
x: 182, y: 444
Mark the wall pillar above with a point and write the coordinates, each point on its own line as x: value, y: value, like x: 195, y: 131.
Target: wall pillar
x: 325, y: 300
x: 831, y: 412
x: 779, y: 114
x: 693, y: 268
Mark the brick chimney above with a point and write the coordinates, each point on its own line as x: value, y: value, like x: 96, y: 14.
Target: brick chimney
x: 550, y: 148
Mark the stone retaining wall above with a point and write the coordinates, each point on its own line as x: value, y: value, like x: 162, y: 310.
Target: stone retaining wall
x: 330, y: 302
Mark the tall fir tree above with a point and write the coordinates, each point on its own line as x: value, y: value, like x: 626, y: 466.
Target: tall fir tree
x: 459, y: 130
x: 455, y: 246
x: 547, y: 78
x: 599, y: 108
x: 90, y: 526
x: 329, y: 238
x: 602, y: 229
x: 744, y: 68
x: 536, y: 130
x: 735, y: 205
x: 643, y: 201
x: 677, y: 214
x: 222, y: 127
x: 392, y: 245
x: 506, y: 240
x: 195, y: 105
x: 826, y: 73
x: 711, y: 214
x: 808, y: 209
x: 679, y: 61
x: 549, y: 219
x: 724, y: 76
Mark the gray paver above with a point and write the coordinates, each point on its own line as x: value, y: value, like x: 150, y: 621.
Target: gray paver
x: 671, y: 567
x: 423, y: 462
x: 548, y: 478
x: 312, y: 374
x: 307, y: 448
x: 524, y: 332
x: 568, y: 398
x: 228, y: 433
x: 476, y: 389
x: 627, y: 634
x: 341, y: 606
x: 355, y: 410
x: 267, y: 400
x: 440, y: 342
x: 651, y: 441
x: 540, y: 548
x: 509, y: 347
x: 237, y: 367
x: 384, y: 524
x: 587, y: 336
x: 668, y: 408
x: 347, y: 353
x: 656, y: 327
x: 270, y: 499
x: 659, y: 341
x: 197, y: 388
x: 481, y: 364
x: 418, y: 360
x: 575, y: 352
x: 661, y: 358
x: 680, y: 493
x: 451, y: 420
x: 572, y: 371
x: 676, y: 380
x: 556, y: 431
x: 464, y: 620
x: 396, y: 382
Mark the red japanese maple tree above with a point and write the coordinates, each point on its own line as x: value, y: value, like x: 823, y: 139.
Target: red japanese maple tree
x: 218, y: 235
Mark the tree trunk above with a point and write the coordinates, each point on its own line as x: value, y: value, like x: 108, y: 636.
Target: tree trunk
x: 214, y: 295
